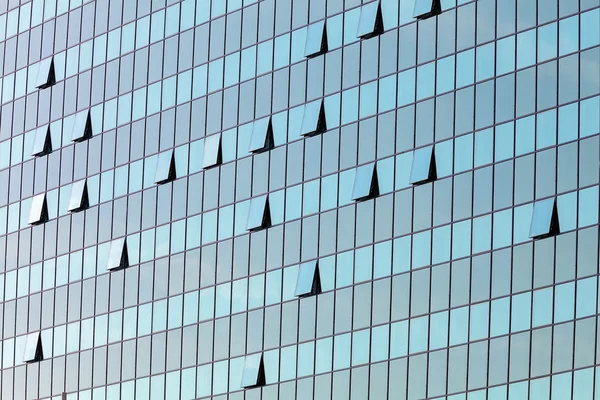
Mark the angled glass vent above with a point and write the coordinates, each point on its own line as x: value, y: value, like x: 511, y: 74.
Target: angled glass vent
x: 313, y: 120
x: 309, y: 280
x: 259, y: 216
x: 262, y: 136
x: 33, y: 348
x: 42, y: 144
x: 316, y: 40
x: 427, y: 8
x: 423, y: 166
x: 544, y: 221
x: 165, y: 168
x: 212, y: 152
x: 82, y: 128
x: 366, y: 184
x: 38, y: 214
x: 118, y: 258
x: 370, y: 23
x: 79, y: 199
x: 46, y: 76
x: 254, y: 372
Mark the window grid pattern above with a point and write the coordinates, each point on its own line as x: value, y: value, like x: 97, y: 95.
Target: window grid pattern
x: 153, y: 248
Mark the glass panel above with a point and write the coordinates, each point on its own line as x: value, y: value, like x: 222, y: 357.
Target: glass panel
x: 426, y: 8
x: 423, y: 166
x: 33, y: 348
x: 82, y: 128
x: 118, y: 257
x: 43, y: 142
x: 165, y: 168
x: 38, y: 213
x: 544, y: 221
x: 371, y: 22
x: 316, y: 40
x: 313, y: 120
x: 254, y: 372
x: 262, y: 136
x: 259, y: 216
x: 366, y: 185
x: 309, y: 282
x: 212, y: 151
x: 46, y: 76
x: 79, y: 199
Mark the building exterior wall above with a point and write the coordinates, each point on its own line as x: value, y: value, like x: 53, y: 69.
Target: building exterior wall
x: 189, y: 204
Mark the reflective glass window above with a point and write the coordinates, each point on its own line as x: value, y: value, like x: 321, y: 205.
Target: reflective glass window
x: 165, y: 168
x: 118, y: 256
x: 79, y: 199
x: 259, y: 215
x: 423, y: 168
x: 82, y: 127
x: 545, y: 221
x: 212, y: 151
x: 309, y: 280
x: 253, y: 374
x: 262, y: 136
x: 42, y: 144
x: 370, y: 22
x: 316, y: 40
x: 313, y: 120
x: 38, y: 214
x: 366, y: 185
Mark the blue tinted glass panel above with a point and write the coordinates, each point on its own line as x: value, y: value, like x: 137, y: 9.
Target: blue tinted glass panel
x: 165, y: 168
x: 365, y: 183
x: 370, y: 22
x: 262, y: 136
x: 42, y: 144
x: 544, y: 221
x: 212, y: 151
x: 423, y: 166
x: 316, y: 40
x: 313, y: 120
x: 308, y: 282
x: 259, y: 216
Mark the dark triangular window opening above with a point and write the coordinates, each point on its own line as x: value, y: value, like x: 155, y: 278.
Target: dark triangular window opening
x: 38, y: 354
x: 554, y: 228
x: 82, y: 131
x: 316, y: 284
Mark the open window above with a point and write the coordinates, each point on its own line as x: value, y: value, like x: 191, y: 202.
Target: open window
x: 79, y: 199
x: 82, y: 128
x: 313, y: 121
x: 427, y: 8
x: 423, y: 166
x: 42, y: 144
x: 316, y: 40
x: 38, y: 213
x: 259, y: 215
x: 253, y: 374
x: 213, y: 154
x: 165, y: 168
x: 544, y: 220
x: 262, y: 136
x: 366, y: 184
x: 46, y: 76
x: 309, y: 280
x: 34, y: 351
x: 118, y: 257
x: 370, y: 23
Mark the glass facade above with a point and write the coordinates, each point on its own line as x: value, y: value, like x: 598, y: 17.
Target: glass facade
x: 299, y: 199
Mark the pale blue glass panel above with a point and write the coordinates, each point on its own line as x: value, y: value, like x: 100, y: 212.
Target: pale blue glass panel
x: 422, y: 165
x: 365, y: 183
x: 212, y: 151
x: 547, y: 41
x: 564, y: 302
x: 459, y: 325
x: 542, y: 307
x: 258, y: 216
x: 38, y: 212
x: 316, y: 39
x: 313, y: 120
x: 541, y: 221
x: 478, y: 328
x: 521, y: 312
x: 438, y: 330
x: 360, y: 347
x: 399, y: 339
x: 42, y: 144
x: 165, y: 168
x: 367, y: 23
x: 505, y: 58
x: 500, y: 312
x: 260, y: 135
